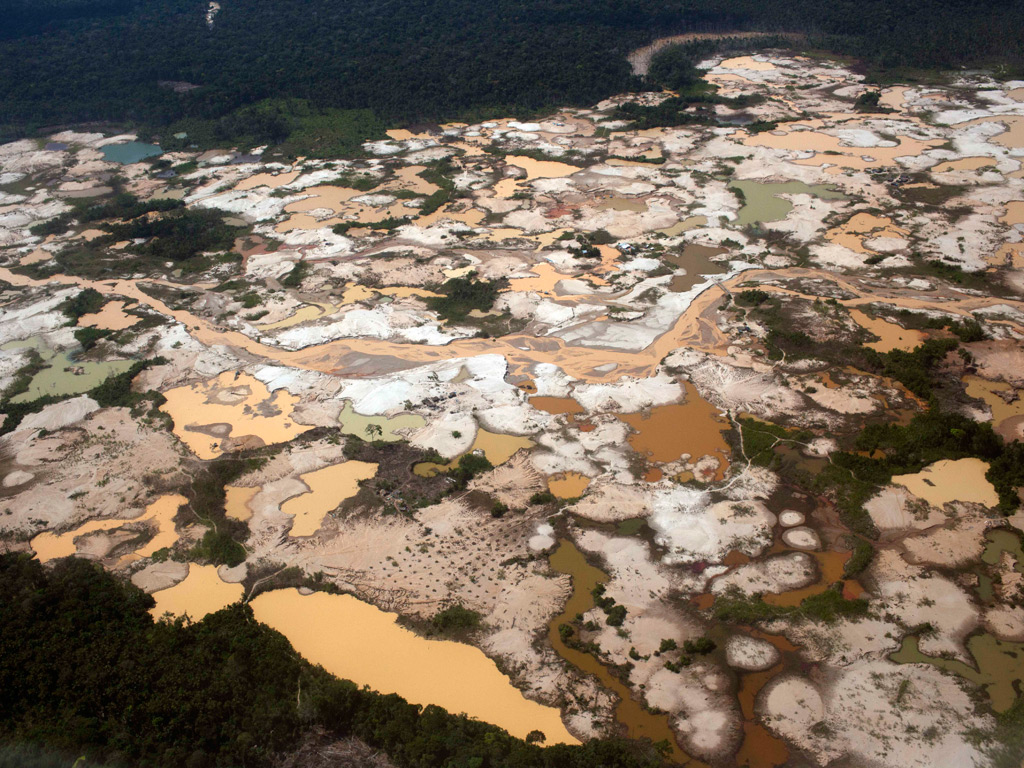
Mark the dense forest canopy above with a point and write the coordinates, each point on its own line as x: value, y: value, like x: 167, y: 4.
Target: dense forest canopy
x: 69, y: 61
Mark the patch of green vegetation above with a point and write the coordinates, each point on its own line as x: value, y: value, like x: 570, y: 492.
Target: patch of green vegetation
x: 827, y: 607
x: 85, y: 302
x: 455, y: 618
x: 850, y: 493
x: 863, y: 554
x: 914, y: 369
x: 869, y: 102
x: 615, y: 614
x: 222, y: 543
x: 461, y: 295
x: 967, y: 330
x: 77, y: 642
x: 438, y: 174
x: 929, y: 194
x: 752, y: 297
x: 702, y: 646
x: 176, y: 235
x: 639, y: 159
x: 759, y: 438
x: 292, y: 127
x: 830, y: 605
x: 387, y: 224
x: 88, y: 337
x: 295, y: 275
x: 218, y: 547
x: 125, y: 205
x: 122, y: 205
x: 542, y: 497
x: 364, y: 182
x: 470, y: 465
x: 38, y: 756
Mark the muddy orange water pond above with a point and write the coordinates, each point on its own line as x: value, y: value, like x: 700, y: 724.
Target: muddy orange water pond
x: 236, y: 502
x: 861, y: 227
x: 498, y: 448
x: 696, y: 261
x: 49, y: 546
x: 760, y: 748
x: 232, y: 405
x: 272, y: 180
x: 568, y: 485
x: 830, y: 568
x: 111, y: 317
x: 547, y: 278
x: 541, y: 169
x: 668, y: 431
x: 358, y: 642
x: 556, y: 405
x: 639, y: 722
x: 1005, y: 415
x: 202, y: 592
x: 891, y: 336
x: 946, y: 481
x: 328, y: 487
x: 965, y: 164
x: 1014, y: 213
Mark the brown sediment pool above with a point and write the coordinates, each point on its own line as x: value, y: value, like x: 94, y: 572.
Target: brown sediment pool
x: 496, y: 447
x: 891, y: 336
x: 639, y: 722
x: 202, y: 592
x: 328, y: 487
x: 696, y: 260
x: 556, y: 405
x: 693, y: 427
x: 237, y: 400
x: 946, y: 481
x: 111, y: 317
x: 50, y: 546
x: 236, y: 502
x: 760, y: 749
x: 359, y: 642
x: 568, y: 485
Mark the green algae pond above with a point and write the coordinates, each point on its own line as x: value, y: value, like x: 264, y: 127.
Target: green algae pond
x: 63, y: 375
x: 762, y: 203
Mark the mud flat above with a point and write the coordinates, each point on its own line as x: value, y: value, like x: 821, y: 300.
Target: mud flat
x: 356, y: 641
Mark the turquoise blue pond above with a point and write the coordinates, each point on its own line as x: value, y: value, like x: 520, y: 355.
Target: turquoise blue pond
x: 132, y: 152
